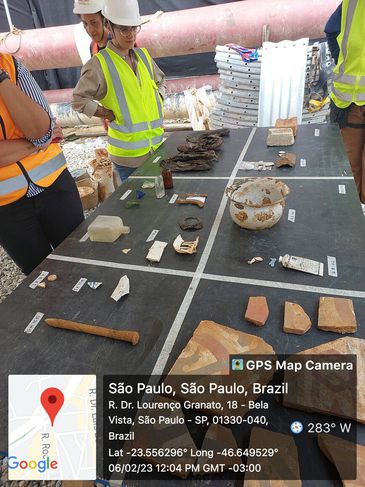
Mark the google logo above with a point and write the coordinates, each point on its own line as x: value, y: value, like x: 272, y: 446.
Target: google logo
x: 41, y: 465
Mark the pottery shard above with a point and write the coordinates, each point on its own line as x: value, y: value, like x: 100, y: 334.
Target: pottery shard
x: 217, y: 439
x: 169, y: 431
x: 208, y: 350
x: 296, y: 319
x: 291, y: 123
x: 337, y: 315
x: 280, y: 137
x: 329, y: 392
x: 344, y: 455
x: 257, y: 311
x: 287, y: 159
x: 282, y: 466
x: 206, y: 357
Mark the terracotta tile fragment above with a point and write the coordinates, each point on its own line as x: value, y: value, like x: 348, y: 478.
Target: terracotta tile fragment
x: 317, y: 393
x: 291, y: 123
x: 207, y: 354
x: 337, y: 315
x: 344, y: 455
x: 211, y: 345
x: 283, y: 465
x: 287, y: 159
x: 296, y: 319
x: 257, y: 311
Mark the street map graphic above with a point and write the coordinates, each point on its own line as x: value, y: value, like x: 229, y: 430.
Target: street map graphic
x: 52, y: 427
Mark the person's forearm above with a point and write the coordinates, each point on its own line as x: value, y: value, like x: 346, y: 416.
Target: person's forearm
x: 13, y: 150
x: 27, y: 115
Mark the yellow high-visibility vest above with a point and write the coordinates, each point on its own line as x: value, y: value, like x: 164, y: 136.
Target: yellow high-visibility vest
x: 349, y: 74
x: 137, y: 105
x: 42, y: 168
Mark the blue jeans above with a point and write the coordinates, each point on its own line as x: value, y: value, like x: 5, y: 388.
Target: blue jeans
x: 123, y: 171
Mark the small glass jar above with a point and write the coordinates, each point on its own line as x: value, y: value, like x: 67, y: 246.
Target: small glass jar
x: 167, y: 179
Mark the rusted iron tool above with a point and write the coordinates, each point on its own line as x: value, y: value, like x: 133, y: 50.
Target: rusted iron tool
x: 125, y: 336
x: 182, y: 200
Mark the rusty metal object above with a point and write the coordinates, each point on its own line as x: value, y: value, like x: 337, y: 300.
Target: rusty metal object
x: 201, y: 144
x: 191, y: 224
x: 194, y: 161
x: 257, y: 203
x: 125, y: 336
x: 192, y: 199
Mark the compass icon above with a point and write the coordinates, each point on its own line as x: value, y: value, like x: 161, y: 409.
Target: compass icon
x: 296, y: 427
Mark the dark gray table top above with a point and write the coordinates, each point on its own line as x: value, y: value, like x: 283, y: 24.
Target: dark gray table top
x: 168, y: 300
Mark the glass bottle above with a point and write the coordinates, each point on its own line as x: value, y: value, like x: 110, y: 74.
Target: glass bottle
x: 159, y: 187
x: 167, y: 179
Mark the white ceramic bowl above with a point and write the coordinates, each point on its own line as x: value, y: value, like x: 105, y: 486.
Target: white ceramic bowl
x: 257, y: 203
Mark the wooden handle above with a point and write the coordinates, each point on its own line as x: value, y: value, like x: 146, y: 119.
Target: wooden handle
x: 126, y: 336
x: 190, y: 202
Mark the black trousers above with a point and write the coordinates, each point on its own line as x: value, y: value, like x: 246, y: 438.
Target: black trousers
x: 31, y: 228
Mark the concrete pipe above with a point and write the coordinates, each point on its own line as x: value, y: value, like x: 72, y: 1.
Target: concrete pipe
x: 176, y: 85
x: 186, y: 31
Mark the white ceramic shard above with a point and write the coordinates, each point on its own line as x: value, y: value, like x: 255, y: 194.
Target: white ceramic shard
x: 122, y: 289
x: 94, y: 285
x: 156, y: 251
x: 182, y: 247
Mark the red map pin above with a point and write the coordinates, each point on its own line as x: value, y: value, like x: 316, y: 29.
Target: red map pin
x: 52, y: 400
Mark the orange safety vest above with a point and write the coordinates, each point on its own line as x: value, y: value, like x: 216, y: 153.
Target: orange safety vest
x: 43, y: 168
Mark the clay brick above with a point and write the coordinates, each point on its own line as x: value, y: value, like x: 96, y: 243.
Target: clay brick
x: 336, y: 315
x: 257, y: 311
x: 280, y: 137
x: 291, y: 123
x: 296, y: 319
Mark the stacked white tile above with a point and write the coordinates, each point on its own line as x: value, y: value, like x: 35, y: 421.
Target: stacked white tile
x: 238, y: 98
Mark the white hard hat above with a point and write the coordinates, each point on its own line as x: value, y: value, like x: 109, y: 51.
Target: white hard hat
x: 122, y: 12
x: 88, y: 6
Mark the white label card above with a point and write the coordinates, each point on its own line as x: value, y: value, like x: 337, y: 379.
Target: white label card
x: 39, y: 279
x: 173, y: 199
x: 342, y: 189
x: 316, y: 133
x: 152, y: 235
x: 79, y: 284
x: 85, y: 237
x: 291, y: 215
x: 332, y: 266
x: 126, y: 194
x: 303, y: 163
x: 35, y: 320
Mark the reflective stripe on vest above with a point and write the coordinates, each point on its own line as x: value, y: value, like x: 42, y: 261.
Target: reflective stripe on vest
x: 17, y: 183
x: 158, y: 101
x: 142, y: 144
x: 128, y: 126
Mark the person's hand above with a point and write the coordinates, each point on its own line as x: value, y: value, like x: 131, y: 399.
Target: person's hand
x: 106, y: 124
x: 104, y: 113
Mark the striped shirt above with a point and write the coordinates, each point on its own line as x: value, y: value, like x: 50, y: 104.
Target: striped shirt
x: 29, y: 86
